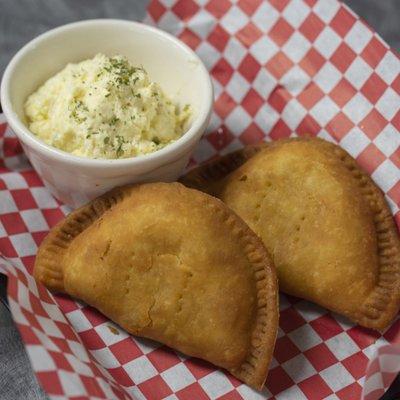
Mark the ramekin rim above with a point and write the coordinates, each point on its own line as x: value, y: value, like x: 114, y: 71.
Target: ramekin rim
x: 171, y: 150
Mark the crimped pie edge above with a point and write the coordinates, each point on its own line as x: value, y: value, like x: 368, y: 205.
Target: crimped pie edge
x: 254, y: 369
x: 383, y: 303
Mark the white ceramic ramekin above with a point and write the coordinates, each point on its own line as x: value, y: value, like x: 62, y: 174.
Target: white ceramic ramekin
x: 75, y: 180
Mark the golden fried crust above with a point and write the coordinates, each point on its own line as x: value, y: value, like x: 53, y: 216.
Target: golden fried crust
x: 174, y: 265
x: 325, y: 223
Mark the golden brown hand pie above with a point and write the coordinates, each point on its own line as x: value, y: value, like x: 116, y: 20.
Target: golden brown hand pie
x: 171, y: 264
x: 325, y: 223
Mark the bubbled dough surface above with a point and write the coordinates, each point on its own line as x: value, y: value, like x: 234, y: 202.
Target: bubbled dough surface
x: 162, y: 265
x: 313, y: 219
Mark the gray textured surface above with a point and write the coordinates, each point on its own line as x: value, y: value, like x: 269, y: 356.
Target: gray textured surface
x: 382, y: 15
x: 22, y: 20
x: 17, y: 380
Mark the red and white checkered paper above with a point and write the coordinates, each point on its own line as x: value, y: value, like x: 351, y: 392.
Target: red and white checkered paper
x: 280, y: 68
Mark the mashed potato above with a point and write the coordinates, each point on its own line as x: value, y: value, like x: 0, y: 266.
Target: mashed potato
x: 104, y: 108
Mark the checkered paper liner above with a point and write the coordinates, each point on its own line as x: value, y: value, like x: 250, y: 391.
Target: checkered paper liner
x: 280, y: 68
